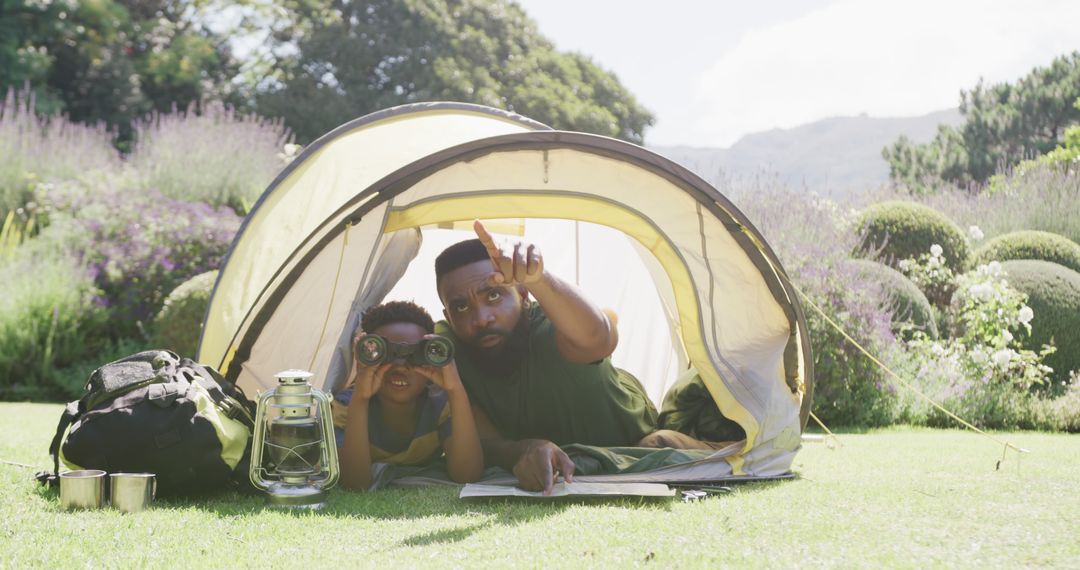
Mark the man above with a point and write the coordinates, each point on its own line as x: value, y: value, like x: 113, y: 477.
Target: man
x: 538, y: 373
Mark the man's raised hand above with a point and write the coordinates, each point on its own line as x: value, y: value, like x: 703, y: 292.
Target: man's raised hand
x: 520, y: 264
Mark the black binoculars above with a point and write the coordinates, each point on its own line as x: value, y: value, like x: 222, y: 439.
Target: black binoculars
x: 435, y: 351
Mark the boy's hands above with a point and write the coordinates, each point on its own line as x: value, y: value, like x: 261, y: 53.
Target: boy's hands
x: 368, y: 378
x: 520, y: 264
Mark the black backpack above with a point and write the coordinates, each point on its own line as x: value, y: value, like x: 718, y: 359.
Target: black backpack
x: 155, y: 412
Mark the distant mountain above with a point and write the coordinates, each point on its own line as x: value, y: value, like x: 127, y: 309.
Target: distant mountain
x: 838, y: 155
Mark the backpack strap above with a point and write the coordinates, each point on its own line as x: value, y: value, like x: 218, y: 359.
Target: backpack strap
x: 235, y: 405
x: 71, y: 413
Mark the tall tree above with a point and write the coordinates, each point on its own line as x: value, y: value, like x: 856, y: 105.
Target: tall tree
x: 1004, y: 124
x: 347, y: 58
x: 112, y: 61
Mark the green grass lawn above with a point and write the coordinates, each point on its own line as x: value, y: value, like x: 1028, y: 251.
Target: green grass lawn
x: 899, y: 497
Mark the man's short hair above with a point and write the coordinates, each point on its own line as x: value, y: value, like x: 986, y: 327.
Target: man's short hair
x: 396, y: 312
x: 458, y: 255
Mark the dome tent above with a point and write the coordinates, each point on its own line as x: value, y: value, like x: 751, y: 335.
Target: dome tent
x: 335, y: 232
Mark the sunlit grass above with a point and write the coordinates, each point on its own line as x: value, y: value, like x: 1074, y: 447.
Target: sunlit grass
x: 899, y: 498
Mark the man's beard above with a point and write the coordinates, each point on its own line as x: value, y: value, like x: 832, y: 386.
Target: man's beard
x: 505, y: 358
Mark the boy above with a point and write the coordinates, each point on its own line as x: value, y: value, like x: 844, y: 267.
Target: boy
x: 392, y: 414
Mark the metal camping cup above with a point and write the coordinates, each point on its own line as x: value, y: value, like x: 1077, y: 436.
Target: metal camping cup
x: 435, y: 351
x: 132, y: 492
x: 83, y: 489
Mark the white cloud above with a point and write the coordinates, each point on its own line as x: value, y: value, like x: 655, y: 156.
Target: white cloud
x: 881, y: 58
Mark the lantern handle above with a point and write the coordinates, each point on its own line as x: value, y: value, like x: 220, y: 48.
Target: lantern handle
x: 258, y: 440
x: 330, y: 456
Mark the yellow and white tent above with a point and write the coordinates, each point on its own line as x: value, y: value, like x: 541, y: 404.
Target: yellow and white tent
x: 360, y: 214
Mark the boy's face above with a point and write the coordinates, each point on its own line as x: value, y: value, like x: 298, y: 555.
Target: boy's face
x: 402, y: 384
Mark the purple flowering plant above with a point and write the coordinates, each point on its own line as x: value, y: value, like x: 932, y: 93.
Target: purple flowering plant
x: 217, y: 156
x: 35, y: 148
x: 136, y: 247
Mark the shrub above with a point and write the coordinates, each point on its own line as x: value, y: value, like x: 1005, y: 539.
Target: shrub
x: 137, y: 247
x: 905, y: 230
x: 179, y: 323
x: 1031, y: 244
x: 931, y: 274
x: 981, y: 372
x: 1054, y: 295
x: 219, y: 157
x: 849, y: 389
x: 1063, y: 412
x: 48, y: 320
x: 910, y: 308
x: 37, y: 149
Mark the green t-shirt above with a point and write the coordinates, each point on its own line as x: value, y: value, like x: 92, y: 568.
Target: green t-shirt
x: 547, y: 397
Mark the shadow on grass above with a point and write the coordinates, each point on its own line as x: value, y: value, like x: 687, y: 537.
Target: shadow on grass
x: 409, y: 504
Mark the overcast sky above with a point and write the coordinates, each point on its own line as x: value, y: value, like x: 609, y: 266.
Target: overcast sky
x: 712, y: 71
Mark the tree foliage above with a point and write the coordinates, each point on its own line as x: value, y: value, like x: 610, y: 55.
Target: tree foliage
x: 112, y: 61
x: 344, y: 59
x: 1004, y: 124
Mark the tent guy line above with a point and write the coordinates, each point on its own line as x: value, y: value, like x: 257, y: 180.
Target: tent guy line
x: 1008, y: 445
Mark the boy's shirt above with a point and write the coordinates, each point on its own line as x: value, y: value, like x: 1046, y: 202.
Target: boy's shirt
x: 387, y: 446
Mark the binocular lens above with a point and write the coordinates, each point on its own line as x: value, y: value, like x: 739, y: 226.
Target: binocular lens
x: 438, y: 352
x: 371, y: 350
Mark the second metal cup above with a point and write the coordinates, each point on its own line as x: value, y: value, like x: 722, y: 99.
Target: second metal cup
x: 132, y: 492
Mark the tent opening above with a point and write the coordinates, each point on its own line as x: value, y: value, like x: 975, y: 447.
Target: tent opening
x: 600, y: 261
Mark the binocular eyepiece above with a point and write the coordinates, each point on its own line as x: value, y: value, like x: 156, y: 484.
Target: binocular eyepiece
x: 435, y: 351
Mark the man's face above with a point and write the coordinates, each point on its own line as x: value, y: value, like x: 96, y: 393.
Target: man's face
x: 483, y: 316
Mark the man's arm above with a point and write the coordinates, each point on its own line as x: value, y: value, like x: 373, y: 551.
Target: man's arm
x: 583, y: 332
x: 534, y: 462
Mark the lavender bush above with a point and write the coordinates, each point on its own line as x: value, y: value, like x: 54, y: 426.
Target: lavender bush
x: 218, y: 157
x: 813, y: 238
x: 37, y: 149
x: 1038, y: 198
x: 136, y: 246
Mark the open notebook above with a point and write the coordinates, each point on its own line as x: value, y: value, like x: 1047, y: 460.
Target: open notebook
x: 563, y: 489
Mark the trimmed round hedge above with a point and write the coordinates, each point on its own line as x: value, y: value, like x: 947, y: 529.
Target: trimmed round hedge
x: 1030, y: 244
x: 1054, y: 295
x: 910, y: 304
x: 907, y: 231
x: 178, y: 325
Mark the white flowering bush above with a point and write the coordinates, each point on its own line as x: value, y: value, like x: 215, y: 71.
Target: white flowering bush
x: 981, y: 371
x: 932, y: 274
